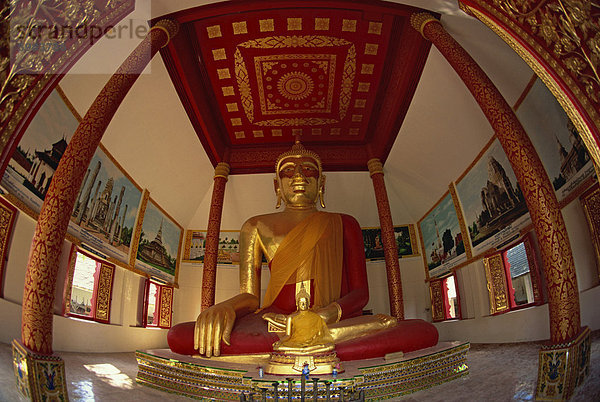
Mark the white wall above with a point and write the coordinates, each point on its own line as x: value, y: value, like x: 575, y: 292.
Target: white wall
x: 529, y: 324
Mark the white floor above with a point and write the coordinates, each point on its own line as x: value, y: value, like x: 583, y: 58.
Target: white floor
x: 496, y: 373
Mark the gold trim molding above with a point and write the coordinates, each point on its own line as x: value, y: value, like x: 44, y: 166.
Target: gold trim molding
x: 545, y: 75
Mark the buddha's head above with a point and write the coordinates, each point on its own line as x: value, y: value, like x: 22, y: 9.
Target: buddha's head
x: 302, y: 299
x: 299, y: 178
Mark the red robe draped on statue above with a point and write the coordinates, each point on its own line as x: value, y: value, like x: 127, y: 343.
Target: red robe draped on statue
x: 250, y: 333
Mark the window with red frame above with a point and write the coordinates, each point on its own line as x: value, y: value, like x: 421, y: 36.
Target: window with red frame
x: 158, y: 306
x: 445, y: 304
x: 513, y: 277
x: 88, y: 291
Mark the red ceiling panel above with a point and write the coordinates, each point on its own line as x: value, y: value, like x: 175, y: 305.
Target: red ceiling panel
x: 254, y: 75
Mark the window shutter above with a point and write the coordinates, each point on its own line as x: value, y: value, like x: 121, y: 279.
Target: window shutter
x: 496, y: 283
x: 437, y: 300
x: 106, y: 273
x: 166, y: 307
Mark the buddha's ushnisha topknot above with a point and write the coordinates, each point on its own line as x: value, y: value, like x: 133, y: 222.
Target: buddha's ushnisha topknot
x: 297, y: 151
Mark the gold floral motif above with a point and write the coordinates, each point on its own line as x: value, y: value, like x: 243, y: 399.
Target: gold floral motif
x: 347, y: 81
x: 105, y: 281
x: 300, y: 121
x: 32, y: 66
x: 496, y: 283
x: 437, y: 300
x: 294, y: 41
x: 243, y: 81
x: 239, y: 28
x: 515, y: 34
x: 569, y: 29
x: 166, y: 304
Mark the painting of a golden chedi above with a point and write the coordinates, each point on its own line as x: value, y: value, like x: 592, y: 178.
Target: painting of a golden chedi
x: 106, y: 206
x: 493, y: 205
x: 442, y: 239
x: 158, y: 248
x: 556, y: 140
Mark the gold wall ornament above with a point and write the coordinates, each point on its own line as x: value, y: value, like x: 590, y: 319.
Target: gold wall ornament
x: 522, y: 32
x: 169, y: 27
x: 419, y: 20
x: 496, y: 283
x: 104, y: 291
x: 166, y: 306
x: 33, y: 68
x: 222, y: 170
x: 437, y: 300
x: 375, y: 166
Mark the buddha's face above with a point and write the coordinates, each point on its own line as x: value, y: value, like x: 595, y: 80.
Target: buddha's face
x: 298, y: 179
x: 302, y: 303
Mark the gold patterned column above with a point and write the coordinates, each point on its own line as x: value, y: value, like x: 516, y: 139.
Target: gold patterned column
x: 211, y: 252
x: 390, y: 247
x: 51, y: 228
x: 563, y: 295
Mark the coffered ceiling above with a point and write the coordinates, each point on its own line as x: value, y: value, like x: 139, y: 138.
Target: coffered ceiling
x: 255, y: 75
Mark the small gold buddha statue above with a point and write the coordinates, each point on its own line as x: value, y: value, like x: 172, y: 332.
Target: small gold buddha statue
x: 305, y: 330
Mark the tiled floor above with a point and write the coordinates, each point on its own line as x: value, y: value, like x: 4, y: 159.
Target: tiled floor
x: 496, y: 373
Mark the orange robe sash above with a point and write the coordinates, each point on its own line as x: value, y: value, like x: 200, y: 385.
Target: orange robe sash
x: 312, y: 250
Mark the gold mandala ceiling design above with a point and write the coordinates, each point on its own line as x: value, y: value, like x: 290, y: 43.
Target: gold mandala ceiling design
x: 255, y: 75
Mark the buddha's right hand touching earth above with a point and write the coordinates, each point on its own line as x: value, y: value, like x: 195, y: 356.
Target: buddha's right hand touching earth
x: 214, y: 324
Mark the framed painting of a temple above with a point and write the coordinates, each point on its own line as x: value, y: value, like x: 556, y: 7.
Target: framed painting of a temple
x: 494, y: 207
x: 157, y: 240
x: 104, y: 214
x: 32, y: 166
x: 195, y: 245
x: 406, y: 242
x: 557, y: 142
x: 106, y: 208
x: 441, y: 238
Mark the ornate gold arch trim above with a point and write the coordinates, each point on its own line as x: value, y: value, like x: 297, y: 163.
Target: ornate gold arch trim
x: 518, y: 39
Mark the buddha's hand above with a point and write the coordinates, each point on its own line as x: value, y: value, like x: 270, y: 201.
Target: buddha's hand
x: 213, y: 325
x: 277, y: 320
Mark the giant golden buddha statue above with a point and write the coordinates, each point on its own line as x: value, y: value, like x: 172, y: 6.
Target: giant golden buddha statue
x: 307, y: 250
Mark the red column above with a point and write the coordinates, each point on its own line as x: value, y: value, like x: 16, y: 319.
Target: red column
x: 563, y: 296
x: 51, y: 228
x: 390, y: 247
x: 211, y: 252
